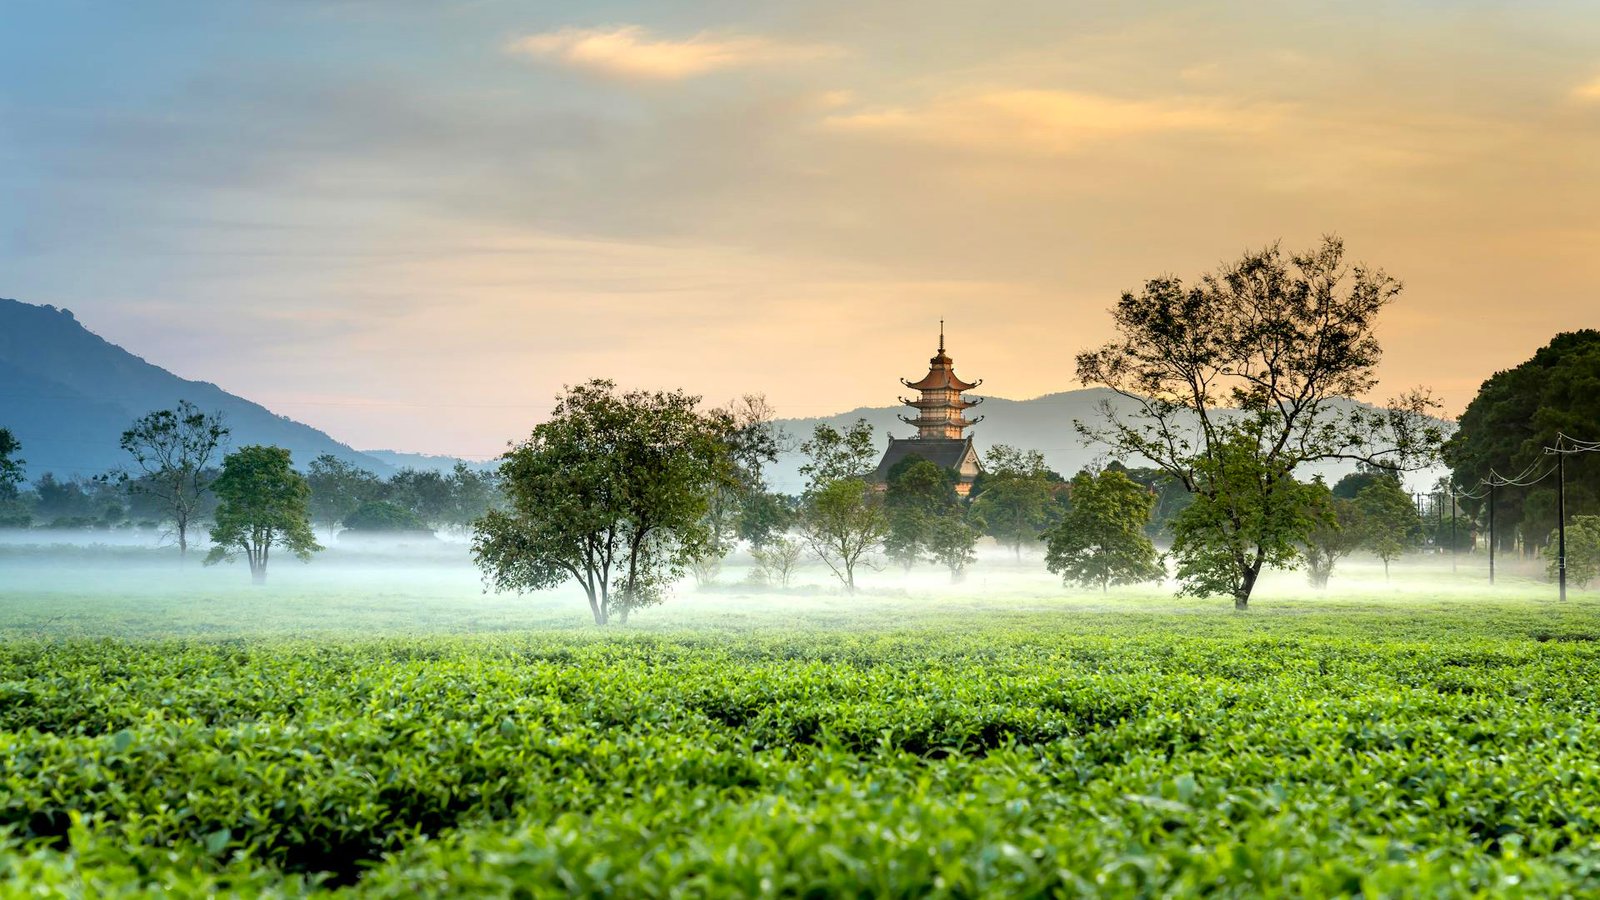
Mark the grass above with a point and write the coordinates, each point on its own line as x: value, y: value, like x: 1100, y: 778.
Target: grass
x: 385, y: 731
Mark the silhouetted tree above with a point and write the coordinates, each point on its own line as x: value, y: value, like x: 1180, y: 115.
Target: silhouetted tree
x: 175, y: 449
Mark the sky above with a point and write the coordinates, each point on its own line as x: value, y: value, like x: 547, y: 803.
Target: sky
x: 410, y: 223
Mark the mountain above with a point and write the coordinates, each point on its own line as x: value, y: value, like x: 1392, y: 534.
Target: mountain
x: 68, y: 394
x: 429, y: 462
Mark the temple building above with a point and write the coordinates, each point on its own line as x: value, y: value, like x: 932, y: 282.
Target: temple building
x: 941, y: 422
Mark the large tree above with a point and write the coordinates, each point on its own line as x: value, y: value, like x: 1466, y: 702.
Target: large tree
x: 1337, y: 531
x: 1101, y: 540
x: 176, y: 450
x: 262, y: 503
x: 1517, y: 413
x: 739, y: 496
x: 832, y: 454
x: 1015, y: 499
x: 919, y: 493
x: 1389, y: 522
x: 1240, y: 380
x: 841, y: 519
x: 338, y: 488
x: 611, y: 493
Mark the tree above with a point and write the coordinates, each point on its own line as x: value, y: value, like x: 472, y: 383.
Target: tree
x: 753, y: 440
x: 472, y: 493
x: 1241, y: 380
x: 843, y: 522
x: 765, y: 516
x: 832, y: 455
x: 777, y: 558
x: 1390, y: 524
x: 175, y: 449
x: 11, y: 465
x: 385, y: 517
x: 919, y: 492
x: 1170, y: 496
x: 611, y: 492
x: 1337, y: 531
x: 338, y: 488
x: 1515, y: 415
x: 1014, y: 499
x: 262, y: 503
x: 1583, y: 551
x: 1101, y: 540
x: 952, y: 542
x: 423, y: 491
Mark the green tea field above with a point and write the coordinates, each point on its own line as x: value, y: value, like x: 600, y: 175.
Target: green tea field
x: 1132, y: 745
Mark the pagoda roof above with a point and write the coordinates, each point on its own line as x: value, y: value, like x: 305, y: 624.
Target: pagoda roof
x: 941, y: 376
x: 958, y: 403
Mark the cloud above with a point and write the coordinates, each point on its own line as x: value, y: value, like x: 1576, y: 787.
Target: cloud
x: 1051, y: 121
x: 633, y: 53
x: 1588, y: 92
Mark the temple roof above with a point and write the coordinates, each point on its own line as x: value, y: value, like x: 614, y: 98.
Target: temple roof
x: 958, y: 402
x: 945, y: 453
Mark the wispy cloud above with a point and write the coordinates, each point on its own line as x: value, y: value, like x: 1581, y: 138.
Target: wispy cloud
x: 1588, y: 92
x: 631, y: 52
x: 1050, y: 121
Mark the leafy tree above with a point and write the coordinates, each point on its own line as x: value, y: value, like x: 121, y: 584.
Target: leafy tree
x: 385, y: 516
x: 777, y: 558
x: 262, y: 503
x: 1014, y: 499
x: 1170, y: 496
x: 764, y: 516
x: 472, y: 493
x: 1583, y: 551
x: 338, y: 489
x: 11, y: 465
x: 952, y: 542
x: 1516, y: 414
x: 843, y: 522
x: 1101, y: 541
x: 610, y: 493
x: 174, y: 448
x: 1241, y: 380
x: 833, y: 455
x: 423, y: 491
x: 1337, y: 531
x: 919, y: 492
x: 1390, y: 524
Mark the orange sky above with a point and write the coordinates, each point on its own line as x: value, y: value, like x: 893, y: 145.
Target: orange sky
x: 409, y: 224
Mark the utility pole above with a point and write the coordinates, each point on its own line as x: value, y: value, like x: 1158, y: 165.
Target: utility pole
x: 1491, y: 533
x: 1561, y: 520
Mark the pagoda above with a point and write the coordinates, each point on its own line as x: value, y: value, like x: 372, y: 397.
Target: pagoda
x: 941, y: 422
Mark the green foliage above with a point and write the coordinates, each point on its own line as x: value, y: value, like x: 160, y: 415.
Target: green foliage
x: 918, y: 494
x: 1371, y: 752
x: 832, y: 455
x: 1516, y: 414
x: 1015, y: 500
x: 1583, y: 551
x: 262, y: 503
x: 843, y: 522
x: 1338, y: 529
x: 175, y: 450
x: 764, y: 516
x: 11, y: 465
x: 610, y: 492
x: 952, y: 542
x: 1253, y: 371
x: 338, y: 489
x: 1389, y: 522
x: 1101, y: 540
x: 1247, y: 514
x: 384, y: 516
x: 1170, y: 497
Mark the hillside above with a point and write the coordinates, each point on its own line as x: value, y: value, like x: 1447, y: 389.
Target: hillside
x: 68, y: 394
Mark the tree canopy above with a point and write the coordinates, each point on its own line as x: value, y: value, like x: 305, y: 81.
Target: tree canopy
x: 611, y: 493
x: 262, y: 504
x: 1515, y: 415
x: 1239, y: 380
x: 175, y: 449
x: 1014, y: 500
x: 1101, y: 540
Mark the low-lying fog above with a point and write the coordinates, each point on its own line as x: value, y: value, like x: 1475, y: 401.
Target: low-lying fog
x: 90, y: 583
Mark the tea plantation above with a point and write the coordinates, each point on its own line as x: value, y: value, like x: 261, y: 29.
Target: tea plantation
x: 1383, y: 747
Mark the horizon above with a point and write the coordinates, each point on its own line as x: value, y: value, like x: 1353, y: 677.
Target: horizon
x: 410, y: 225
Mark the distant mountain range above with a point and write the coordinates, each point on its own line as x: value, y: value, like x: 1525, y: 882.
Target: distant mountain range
x: 68, y: 394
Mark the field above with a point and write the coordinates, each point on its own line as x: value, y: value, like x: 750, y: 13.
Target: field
x: 415, y: 738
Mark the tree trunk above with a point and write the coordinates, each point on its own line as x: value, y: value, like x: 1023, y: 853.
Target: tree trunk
x: 1247, y: 584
